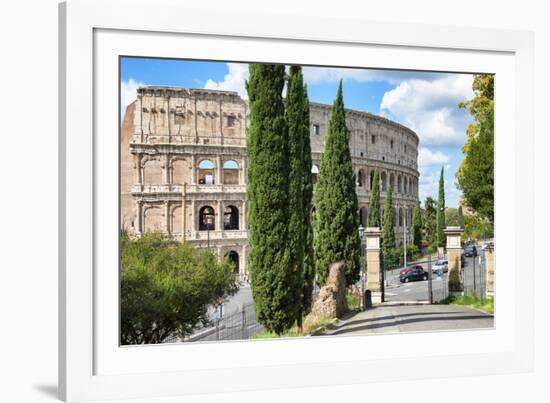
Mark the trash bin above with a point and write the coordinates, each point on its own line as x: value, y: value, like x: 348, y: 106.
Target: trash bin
x: 368, y: 299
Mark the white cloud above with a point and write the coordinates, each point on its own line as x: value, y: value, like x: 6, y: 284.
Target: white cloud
x: 234, y: 80
x: 128, y: 94
x: 427, y: 158
x: 314, y: 75
x: 428, y: 184
x: 430, y: 107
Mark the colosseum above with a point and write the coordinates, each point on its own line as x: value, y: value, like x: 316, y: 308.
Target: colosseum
x: 183, y: 164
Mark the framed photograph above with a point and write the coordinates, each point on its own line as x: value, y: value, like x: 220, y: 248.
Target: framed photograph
x: 342, y: 202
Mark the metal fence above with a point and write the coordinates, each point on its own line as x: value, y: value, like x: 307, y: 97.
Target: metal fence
x: 238, y: 325
x: 435, y: 289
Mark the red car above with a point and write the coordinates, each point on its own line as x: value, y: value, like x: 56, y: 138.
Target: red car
x: 406, y: 270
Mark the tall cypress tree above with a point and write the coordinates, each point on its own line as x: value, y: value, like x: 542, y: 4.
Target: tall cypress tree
x: 417, y: 226
x: 337, y: 215
x: 440, y: 215
x: 374, y: 203
x: 300, y: 189
x: 460, y: 217
x: 388, y: 234
x: 272, y: 281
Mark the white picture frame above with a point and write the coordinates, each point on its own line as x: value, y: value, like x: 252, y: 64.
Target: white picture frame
x: 91, y: 364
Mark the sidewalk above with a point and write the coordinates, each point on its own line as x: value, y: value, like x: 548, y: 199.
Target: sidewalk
x: 412, y: 318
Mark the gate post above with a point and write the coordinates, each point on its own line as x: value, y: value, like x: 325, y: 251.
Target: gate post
x: 454, y: 251
x: 374, y: 285
x: 490, y: 267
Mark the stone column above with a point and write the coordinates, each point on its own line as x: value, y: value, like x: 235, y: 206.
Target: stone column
x: 453, y: 257
x: 374, y: 285
x: 490, y: 268
x: 219, y: 169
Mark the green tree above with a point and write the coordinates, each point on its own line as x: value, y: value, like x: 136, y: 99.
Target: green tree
x: 374, y: 202
x: 300, y: 188
x: 430, y: 221
x: 460, y: 217
x: 417, y: 226
x: 475, y: 176
x: 388, y: 235
x: 273, y: 281
x: 440, y: 215
x: 337, y: 219
x: 451, y: 217
x: 166, y: 287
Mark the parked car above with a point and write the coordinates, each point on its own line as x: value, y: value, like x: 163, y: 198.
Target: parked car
x: 440, y: 267
x: 408, y: 269
x: 470, y: 251
x: 415, y: 273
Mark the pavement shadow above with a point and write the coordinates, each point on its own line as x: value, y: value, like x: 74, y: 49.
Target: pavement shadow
x: 380, y: 318
x: 405, y: 322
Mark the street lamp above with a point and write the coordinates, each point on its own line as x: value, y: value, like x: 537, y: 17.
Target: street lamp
x: 362, y: 282
x: 209, y: 221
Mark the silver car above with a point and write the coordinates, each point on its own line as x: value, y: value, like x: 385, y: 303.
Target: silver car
x: 440, y: 267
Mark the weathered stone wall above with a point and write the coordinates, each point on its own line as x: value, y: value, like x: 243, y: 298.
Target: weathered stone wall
x: 183, y: 153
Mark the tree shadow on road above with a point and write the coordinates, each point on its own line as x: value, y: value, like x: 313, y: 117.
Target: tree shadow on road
x: 369, y: 326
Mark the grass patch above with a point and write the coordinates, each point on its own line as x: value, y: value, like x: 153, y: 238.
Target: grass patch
x: 352, y: 298
x: 311, y: 323
x: 471, y: 301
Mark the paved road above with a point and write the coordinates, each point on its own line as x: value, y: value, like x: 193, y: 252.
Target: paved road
x: 413, y: 318
x: 418, y: 290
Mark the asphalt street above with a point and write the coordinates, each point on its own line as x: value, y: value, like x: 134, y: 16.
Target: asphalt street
x: 419, y: 290
x: 412, y: 318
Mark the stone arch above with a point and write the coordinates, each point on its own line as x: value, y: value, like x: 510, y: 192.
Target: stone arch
x: 206, y: 172
x: 392, y: 182
x: 383, y: 181
x: 400, y: 217
x: 231, y: 218
x: 363, y: 216
x: 233, y: 257
x: 371, y: 179
x: 152, y: 171
x: 399, y: 188
x: 314, y: 173
x: 176, y: 220
x: 152, y: 219
x: 180, y: 169
x: 360, y: 178
x: 207, y: 218
x: 230, y: 172
x: 405, y: 184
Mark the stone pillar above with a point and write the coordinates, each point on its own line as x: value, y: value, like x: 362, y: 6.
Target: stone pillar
x: 490, y: 271
x: 219, y: 171
x: 453, y: 257
x: 374, y: 284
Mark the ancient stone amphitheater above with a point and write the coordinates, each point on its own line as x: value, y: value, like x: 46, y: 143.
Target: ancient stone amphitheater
x: 183, y: 164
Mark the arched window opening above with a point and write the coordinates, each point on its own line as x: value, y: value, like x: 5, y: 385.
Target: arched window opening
x: 230, y: 172
x: 399, y: 184
x: 234, y: 258
x: 231, y: 218
x: 206, y: 172
x: 360, y: 178
x: 383, y: 181
x: 400, y: 217
x: 314, y: 174
x: 206, y: 219
x: 392, y: 182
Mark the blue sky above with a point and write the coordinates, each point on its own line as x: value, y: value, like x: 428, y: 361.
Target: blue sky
x: 424, y: 101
